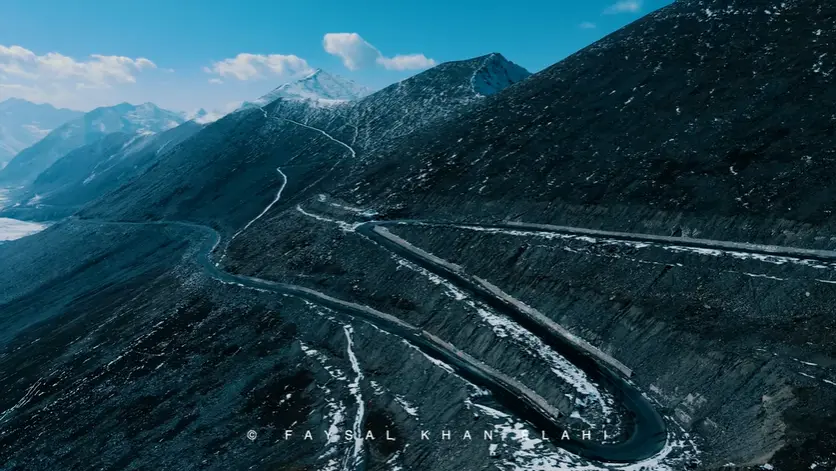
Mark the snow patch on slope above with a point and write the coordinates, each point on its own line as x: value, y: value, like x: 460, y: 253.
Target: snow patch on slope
x: 12, y: 229
x: 354, y: 388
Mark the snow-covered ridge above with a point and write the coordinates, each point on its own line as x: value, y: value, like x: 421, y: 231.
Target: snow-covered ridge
x: 319, y: 87
x: 149, y: 117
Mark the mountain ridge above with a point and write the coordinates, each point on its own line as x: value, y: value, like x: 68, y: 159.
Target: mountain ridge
x: 319, y: 87
x: 23, y: 123
x: 365, y: 124
x: 654, y: 129
x: 83, y: 130
x: 89, y: 172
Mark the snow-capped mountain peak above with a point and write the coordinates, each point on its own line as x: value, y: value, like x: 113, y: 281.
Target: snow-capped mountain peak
x: 319, y: 87
x: 151, y: 118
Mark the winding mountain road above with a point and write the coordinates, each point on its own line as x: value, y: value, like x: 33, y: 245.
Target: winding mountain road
x: 649, y: 433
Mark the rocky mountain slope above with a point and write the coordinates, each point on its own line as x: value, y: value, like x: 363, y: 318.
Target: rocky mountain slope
x: 90, y: 127
x: 23, y: 123
x: 704, y: 119
x: 716, y: 112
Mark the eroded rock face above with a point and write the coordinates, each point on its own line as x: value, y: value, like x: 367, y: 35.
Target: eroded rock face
x: 717, y: 318
x: 166, y: 367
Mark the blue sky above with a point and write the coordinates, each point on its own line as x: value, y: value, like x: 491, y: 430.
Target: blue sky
x: 186, y: 54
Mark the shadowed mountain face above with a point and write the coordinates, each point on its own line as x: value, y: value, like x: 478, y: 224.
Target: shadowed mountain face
x: 229, y: 169
x: 90, y: 127
x: 676, y: 148
x: 89, y: 172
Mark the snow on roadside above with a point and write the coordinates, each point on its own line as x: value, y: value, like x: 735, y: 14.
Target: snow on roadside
x: 672, y: 247
x: 533, y: 345
x: 517, y: 448
x: 352, y: 209
x: 346, y: 227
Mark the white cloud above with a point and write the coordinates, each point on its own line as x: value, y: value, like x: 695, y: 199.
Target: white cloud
x: 624, y: 6
x: 16, y: 70
x: 587, y: 25
x: 354, y: 51
x: 20, y: 90
x: 406, y: 62
x: 247, y: 66
x: 98, y: 70
x: 58, y: 79
x: 357, y: 53
x: 16, y: 52
x: 216, y: 81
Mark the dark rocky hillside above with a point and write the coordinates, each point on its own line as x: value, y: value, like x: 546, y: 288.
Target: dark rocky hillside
x: 704, y: 114
x: 698, y: 143
x: 712, y: 127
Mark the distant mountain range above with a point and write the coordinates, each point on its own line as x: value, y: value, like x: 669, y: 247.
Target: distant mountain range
x: 110, y: 147
x: 98, y: 151
x: 23, y: 123
x: 86, y: 129
x: 91, y: 171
